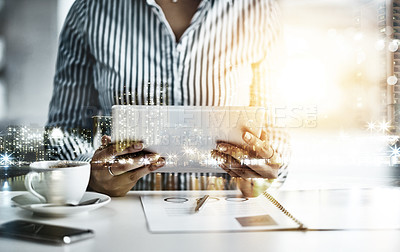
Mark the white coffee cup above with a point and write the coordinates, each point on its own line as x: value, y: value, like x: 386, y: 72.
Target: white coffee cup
x: 58, y: 182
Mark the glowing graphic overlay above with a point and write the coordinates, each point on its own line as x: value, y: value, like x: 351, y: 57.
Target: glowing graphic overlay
x: 185, y: 135
x: 6, y: 159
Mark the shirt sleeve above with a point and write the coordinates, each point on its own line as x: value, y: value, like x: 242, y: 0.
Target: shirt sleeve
x: 263, y: 86
x: 74, y: 98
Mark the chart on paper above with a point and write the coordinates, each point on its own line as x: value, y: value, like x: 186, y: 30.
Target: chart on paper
x: 222, y: 212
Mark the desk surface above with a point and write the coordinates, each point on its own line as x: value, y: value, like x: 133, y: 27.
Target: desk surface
x: 121, y: 225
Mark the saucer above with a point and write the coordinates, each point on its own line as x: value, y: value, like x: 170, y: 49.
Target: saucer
x: 29, y: 202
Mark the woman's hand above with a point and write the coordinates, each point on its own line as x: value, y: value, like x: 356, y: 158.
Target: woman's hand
x: 115, y: 173
x: 254, y: 164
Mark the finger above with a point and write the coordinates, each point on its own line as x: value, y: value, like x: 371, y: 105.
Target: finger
x: 246, y: 185
x: 234, y: 151
x: 268, y: 150
x: 120, y: 185
x: 229, y: 171
x: 224, y: 159
x: 244, y: 172
x: 259, y: 167
x: 121, y: 166
x: 265, y: 171
x: 261, y: 148
x: 233, y: 167
x: 266, y: 133
x: 133, y: 176
x: 255, y: 167
x: 249, y: 187
x: 105, y: 140
x: 112, y: 150
x: 244, y: 157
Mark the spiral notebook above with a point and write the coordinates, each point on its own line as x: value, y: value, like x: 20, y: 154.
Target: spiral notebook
x: 222, y: 212
x: 310, y: 210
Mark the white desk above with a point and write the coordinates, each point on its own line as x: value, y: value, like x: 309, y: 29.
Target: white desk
x: 121, y: 226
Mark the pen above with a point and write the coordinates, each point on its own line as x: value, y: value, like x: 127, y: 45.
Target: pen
x: 201, y: 202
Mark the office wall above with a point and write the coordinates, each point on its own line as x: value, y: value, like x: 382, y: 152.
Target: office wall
x: 2, y: 63
x: 63, y: 7
x: 30, y: 34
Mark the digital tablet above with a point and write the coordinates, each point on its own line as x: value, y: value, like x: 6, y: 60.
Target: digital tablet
x: 184, y: 135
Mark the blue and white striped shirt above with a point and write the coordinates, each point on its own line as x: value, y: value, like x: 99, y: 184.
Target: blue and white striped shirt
x: 125, y: 52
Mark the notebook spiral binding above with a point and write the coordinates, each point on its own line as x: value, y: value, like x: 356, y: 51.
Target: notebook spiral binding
x: 286, y: 212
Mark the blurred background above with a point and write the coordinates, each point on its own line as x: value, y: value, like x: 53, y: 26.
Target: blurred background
x: 338, y: 90
x: 29, y: 32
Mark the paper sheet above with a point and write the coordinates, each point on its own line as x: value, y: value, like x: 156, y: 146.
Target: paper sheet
x: 223, y: 212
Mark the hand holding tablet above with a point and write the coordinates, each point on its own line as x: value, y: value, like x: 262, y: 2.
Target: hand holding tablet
x: 185, y: 135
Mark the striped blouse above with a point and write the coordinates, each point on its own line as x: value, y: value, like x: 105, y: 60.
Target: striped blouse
x: 125, y: 52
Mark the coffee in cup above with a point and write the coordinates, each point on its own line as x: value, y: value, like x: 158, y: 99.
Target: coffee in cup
x: 58, y: 182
